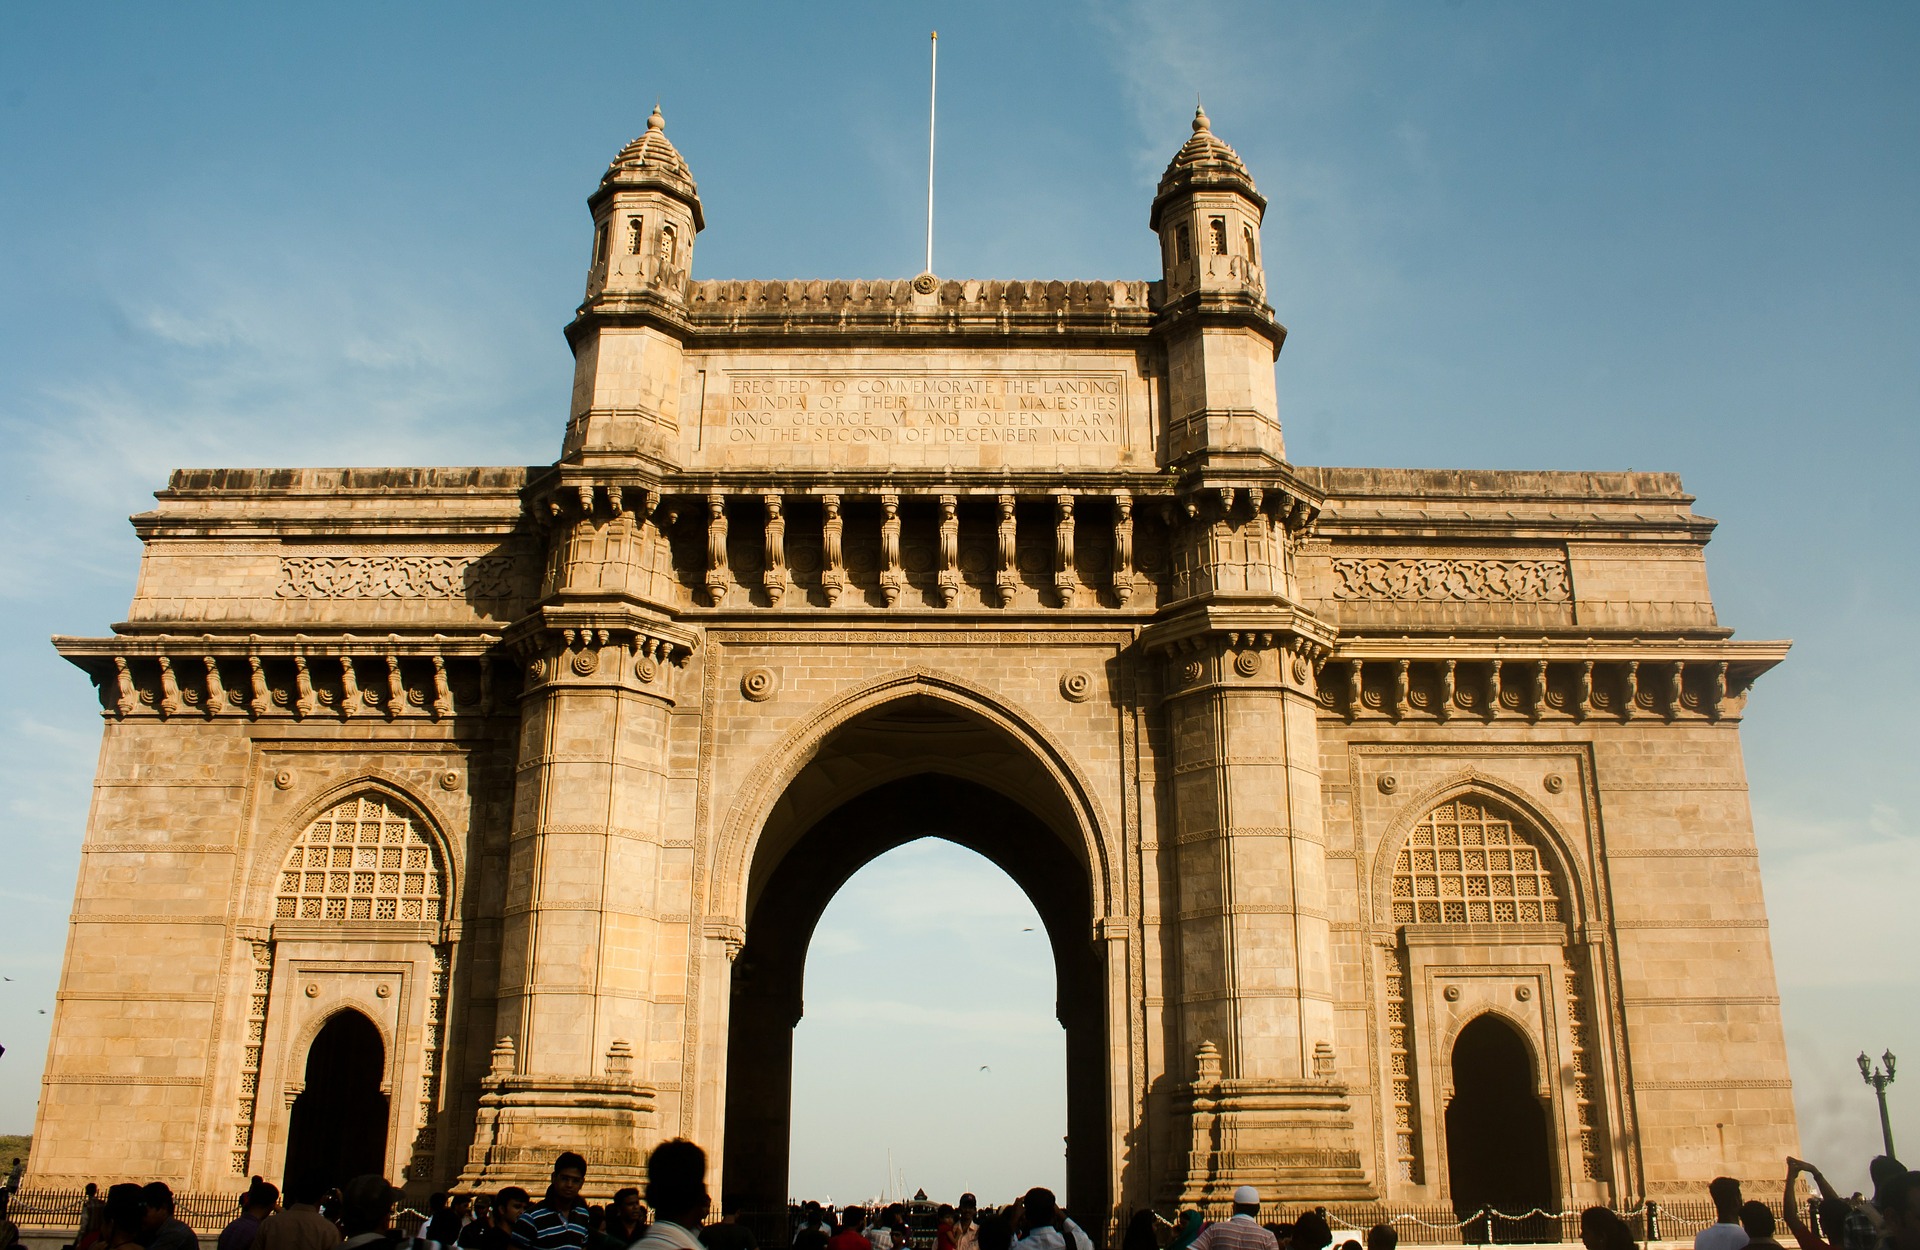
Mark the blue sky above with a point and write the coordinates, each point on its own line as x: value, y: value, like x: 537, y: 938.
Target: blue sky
x: 1502, y: 235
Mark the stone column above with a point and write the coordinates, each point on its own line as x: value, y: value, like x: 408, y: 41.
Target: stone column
x: 588, y: 876
x: 1254, y: 945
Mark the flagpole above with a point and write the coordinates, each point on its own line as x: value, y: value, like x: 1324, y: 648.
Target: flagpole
x: 933, y: 96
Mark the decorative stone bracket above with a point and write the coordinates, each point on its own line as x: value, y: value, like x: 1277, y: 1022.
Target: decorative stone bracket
x: 300, y: 676
x: 1709, y: 683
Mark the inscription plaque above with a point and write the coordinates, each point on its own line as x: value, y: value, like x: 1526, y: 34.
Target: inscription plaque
x: 921, y: 408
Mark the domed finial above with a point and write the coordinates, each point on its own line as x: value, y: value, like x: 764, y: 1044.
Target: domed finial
x: 655, y: 121
x: 1200, y: 123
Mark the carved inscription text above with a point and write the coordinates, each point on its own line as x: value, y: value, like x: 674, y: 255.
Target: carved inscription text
x: 1465, y: 581
x: 396, y: 577
x: 930, y: 408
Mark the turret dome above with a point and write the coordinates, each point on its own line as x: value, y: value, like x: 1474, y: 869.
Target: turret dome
x: 652, y: 161
x: 1205, y: 160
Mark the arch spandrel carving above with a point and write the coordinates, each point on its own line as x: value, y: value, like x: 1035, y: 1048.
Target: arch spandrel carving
x: 747, y: 816
x: 1556, y: 848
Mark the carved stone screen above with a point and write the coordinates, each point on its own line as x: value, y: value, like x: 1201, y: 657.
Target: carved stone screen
x: 1467, y: 862
x: 363, y: 860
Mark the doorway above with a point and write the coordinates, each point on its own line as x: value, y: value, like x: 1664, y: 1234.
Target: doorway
x: 1498, y: 1153
x: 338, y: 1127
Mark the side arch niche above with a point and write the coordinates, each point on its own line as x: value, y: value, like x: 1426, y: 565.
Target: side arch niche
x: 357, y: 927
x: 1480, y: 925
x: 899, y: 769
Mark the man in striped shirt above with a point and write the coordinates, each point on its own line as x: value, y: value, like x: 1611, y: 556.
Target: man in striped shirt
x: 559, y: 1220
x: 1243, y: 1231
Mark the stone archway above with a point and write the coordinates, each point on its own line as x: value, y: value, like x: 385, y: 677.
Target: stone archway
x: 338, y: 1125
x: 925, y: 781
x: 1499, y: 1147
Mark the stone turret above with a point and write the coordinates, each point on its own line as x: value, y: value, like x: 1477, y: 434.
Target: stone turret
x: 645, y: 214
x: 1221, y: 335
x: 628, y: 335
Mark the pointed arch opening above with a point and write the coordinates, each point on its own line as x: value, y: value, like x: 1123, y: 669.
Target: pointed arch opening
x: 912, y: 767
x: 1499, y: 1153
x: 338, y: 1126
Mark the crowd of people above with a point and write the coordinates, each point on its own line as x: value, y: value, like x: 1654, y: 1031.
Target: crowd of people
x: 676, y: 1213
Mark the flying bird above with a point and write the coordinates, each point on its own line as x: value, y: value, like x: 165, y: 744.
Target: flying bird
x: 985, y: 1068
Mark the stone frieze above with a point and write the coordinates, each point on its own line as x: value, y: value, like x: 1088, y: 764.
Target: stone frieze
x: 396, y: 577
x: 1463, y: 581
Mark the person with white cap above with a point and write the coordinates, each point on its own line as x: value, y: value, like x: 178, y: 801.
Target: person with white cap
x: 1243, y: 1231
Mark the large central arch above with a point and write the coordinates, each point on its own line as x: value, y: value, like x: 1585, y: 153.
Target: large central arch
x: 900, y: 769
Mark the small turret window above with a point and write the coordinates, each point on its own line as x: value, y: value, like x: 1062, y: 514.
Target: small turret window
x: 600, y: 245
x: 1182, y: 245
x: 668, y: 243
x: 1253, y: 254
x: 634, y: 235
x: 1217, y: 235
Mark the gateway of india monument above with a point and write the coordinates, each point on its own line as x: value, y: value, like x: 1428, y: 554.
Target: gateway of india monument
x: 1389, y: 826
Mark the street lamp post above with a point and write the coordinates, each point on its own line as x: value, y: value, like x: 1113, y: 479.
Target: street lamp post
x: 1880, y: 1079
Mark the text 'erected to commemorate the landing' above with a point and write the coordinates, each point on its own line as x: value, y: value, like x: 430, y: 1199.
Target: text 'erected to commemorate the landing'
x: 1045, y: 409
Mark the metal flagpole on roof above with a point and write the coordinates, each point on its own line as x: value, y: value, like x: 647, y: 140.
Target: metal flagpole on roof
x: 933, y: 96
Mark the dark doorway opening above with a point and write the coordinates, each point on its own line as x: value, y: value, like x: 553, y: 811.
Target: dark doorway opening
x: 1497, y: 1142
x: 338, y: 1128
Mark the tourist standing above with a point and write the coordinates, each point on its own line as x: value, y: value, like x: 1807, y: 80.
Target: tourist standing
x: 1042, y: 1225
x: 366, y: 1210
x: 163, y: 1231
x: 1725, y: 1233
x: 1902, y: 1211
x: 447, y: 1219
x: 298, y: 1225
x: 1311, y: 1231
x: 1758, y: 1223
x: 1189, y: 1226
x: 966, y: 1224
x: 14, y: 1173
x: 626, y: 1219
x: 1241, y: 1231
x: 677, y: 1192
x: 814, y: 1225
x: 127, y: 1216
x: 93, y: 1220
x: 503, y: 1213
x: 1601, y: 1228
x: 259, y: 1203
x: 559, y: 1220
x: 852, y: 1234
x: 729, y: 1233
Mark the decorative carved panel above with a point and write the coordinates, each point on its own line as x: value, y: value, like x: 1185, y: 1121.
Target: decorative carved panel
x: 396, y: 577
x: 1464, y: 581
